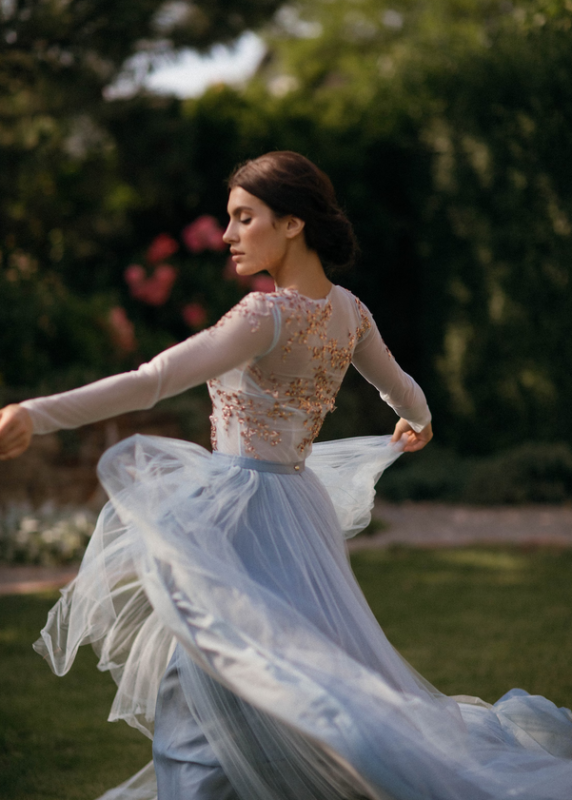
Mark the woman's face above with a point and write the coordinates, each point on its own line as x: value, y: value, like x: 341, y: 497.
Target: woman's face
x: 258, y: 239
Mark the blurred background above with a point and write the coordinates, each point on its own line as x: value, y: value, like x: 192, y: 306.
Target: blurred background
x: 446, y: 127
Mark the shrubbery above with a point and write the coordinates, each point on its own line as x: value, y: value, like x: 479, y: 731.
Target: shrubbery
x: 533, y: 472
x: 46, y: 536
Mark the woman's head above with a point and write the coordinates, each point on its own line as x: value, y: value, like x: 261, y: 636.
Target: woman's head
x: 289, y: 184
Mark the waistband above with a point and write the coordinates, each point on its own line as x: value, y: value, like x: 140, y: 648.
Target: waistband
x: 259, y: 465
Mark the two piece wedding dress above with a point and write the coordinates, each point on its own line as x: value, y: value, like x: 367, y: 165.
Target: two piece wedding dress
x: 217, y: 591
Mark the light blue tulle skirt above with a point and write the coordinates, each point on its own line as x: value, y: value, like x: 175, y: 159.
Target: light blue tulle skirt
x: 217, y: 591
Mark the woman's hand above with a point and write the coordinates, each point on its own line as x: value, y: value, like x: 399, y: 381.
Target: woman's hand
x: 16, y: 431
x: 410, y: 440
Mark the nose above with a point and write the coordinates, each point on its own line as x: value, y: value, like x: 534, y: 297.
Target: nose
x: 229, y: 236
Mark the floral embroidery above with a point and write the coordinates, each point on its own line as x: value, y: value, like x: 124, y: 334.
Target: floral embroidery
x: 249, y: 414
x: 214, y: 437
x: 248, y: 308
x: 365, y: 320
x: 316, y: 325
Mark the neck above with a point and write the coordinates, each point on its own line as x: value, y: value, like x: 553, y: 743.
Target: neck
x: 302, y: 270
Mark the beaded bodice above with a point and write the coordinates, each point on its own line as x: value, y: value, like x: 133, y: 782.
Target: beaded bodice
x: 273, y: 407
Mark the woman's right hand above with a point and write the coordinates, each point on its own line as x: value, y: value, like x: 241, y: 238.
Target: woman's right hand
x: 16, y: 429
x: 409, y: 439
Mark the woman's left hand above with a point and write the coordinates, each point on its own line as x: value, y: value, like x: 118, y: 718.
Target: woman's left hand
x: 16, y: 429
x: 411, y: 441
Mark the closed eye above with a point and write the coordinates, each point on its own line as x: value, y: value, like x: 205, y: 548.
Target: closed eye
x: 246, y: 220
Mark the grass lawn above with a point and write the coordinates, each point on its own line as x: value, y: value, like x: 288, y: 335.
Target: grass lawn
x: 471, y: 621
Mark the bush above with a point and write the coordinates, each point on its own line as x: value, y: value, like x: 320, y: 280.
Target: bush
x: 48, y: 333
x: 47, y: 535
x: 432, y: 474
x: 532, y: 473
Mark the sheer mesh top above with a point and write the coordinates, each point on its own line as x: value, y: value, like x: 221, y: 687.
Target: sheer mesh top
x: 273, y: 364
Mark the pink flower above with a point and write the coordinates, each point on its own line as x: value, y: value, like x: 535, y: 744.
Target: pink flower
x: 122, y: 331
x: 203, y: 234
x: 195, y: 315
x: 161, y: 247
x: 263, y: 283
x: 229, y: 273
x: 155, y: 290
x: 134, y: 276
x: 165, y: 275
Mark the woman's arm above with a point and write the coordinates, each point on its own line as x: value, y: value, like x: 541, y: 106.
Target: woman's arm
x: 374, y: 361
x: 245, y: 332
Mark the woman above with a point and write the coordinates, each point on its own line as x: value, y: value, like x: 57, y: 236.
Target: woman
x: 216, y: 588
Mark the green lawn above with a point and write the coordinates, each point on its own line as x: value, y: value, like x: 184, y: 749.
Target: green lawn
x: 55, y: 743
x: 476, y: 621
x: 472, y: 621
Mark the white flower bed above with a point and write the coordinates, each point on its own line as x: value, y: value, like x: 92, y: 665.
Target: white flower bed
x: 47, y: 535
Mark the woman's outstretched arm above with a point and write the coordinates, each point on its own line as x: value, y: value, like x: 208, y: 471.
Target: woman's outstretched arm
x: 245, y: 332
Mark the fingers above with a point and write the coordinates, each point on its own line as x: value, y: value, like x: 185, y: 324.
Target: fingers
x: 15, y: 431
x: 414, y: 446
x: 13, y: 445
x: 14, y: 450
x: 412, y: 441
x: 402, y: 427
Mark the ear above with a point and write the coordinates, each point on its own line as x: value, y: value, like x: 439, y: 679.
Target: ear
x: 294, y: 226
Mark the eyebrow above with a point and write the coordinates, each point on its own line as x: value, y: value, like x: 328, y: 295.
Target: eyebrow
x: 239, y: 209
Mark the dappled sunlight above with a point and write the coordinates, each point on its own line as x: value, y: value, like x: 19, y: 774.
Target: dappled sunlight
x: 496, y: 560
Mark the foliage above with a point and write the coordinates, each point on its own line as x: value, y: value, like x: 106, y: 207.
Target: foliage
x: 355, y: 49
x: 435, y: 474
x: 533, y: 472
x: 352, y: 49
x: 50, y: 335
x: 64, y: 207
x: 497, y: 243
x: 60, y: 193
x: 47, y: 535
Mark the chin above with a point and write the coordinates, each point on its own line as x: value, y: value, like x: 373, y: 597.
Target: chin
x: 247, y: 270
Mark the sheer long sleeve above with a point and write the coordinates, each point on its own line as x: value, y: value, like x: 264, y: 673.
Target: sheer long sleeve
x: 247, y: 331
x: 374, y: 361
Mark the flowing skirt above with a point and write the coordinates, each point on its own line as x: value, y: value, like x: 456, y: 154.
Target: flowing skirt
x: 217, y: 591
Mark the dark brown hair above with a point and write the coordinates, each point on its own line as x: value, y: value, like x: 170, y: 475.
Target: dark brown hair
x: 290, y: 184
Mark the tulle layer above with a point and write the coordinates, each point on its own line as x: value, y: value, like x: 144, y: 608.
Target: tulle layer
x: 282, y: 663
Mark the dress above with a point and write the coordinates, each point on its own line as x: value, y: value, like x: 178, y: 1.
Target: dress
x: 217, y: 591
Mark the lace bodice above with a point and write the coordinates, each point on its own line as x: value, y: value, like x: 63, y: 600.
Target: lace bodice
x: 273, y: 364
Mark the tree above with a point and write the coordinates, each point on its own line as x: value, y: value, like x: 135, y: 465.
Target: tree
x: 357, y: 48
x: 64, y: 207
